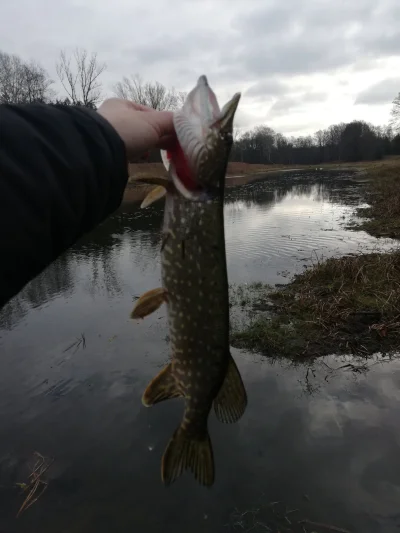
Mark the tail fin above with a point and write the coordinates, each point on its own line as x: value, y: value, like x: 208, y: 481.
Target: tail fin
x: 185, y: 452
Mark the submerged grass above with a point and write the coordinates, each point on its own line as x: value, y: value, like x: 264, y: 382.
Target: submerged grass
x: 277, y: 517
x: 36, y: 484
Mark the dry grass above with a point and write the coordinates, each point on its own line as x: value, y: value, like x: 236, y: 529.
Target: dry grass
x: 234, y: 169
x: 335, y: 289
x: 245, y: 169
x: 36, y: 485
x: 351, y: 304
x: 383, y: 195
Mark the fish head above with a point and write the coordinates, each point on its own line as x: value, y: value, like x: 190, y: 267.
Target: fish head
x: 198, y: 162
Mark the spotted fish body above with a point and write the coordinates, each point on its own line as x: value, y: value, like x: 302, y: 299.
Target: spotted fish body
x: 195, y: 287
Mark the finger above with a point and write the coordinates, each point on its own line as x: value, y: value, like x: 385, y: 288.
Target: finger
x: 161, y: 121
x: 141, y: 107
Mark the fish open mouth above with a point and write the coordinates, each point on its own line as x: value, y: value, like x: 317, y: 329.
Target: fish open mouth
x: 199, y: 115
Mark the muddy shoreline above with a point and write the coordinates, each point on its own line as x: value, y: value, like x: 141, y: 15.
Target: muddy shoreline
x: 136, y: 192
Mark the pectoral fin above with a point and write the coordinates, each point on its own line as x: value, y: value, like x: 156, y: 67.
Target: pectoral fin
x: 162, y: 387
x: 165, y: 159
x: 231, y: 401
x: 156, y: 194
x: 149, y: 302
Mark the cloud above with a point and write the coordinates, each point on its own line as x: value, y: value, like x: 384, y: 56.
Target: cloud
x: 245, y: 120
x: 299, y: 128
x: 270, y: 51
x: 319, y: 37
x: 380, y: 93
x: 290, y: 103
x: 267, y: 88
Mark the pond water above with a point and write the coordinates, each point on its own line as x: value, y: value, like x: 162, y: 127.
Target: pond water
x: 324, y: 444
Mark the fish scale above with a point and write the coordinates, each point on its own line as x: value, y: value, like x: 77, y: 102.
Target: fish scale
x: 194, y: 275
x: 195, y: 285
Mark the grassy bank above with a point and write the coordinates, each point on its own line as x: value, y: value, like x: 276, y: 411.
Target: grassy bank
x: 342, y: 305
x: 383, y: 195
x: 351, y: 304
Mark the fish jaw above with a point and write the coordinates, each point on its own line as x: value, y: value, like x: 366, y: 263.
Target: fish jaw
x: 197, y: 163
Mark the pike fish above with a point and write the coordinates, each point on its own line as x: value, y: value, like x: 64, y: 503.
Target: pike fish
x: 195, y: 284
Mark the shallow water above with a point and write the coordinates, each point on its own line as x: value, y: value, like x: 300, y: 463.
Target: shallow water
x: 325, y: 443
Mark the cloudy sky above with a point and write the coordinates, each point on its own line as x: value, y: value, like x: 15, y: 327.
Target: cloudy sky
x: 301, y: 65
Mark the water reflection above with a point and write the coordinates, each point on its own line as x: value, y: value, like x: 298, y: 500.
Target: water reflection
x: 59, y: 278
x: 332, y: 435
x: 270, y: 227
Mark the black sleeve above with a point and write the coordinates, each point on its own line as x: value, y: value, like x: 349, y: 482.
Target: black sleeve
x: 63, y: 169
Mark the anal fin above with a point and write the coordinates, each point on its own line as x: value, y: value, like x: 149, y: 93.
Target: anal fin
x: 154, y: 195
x: 231, y: 400
x: 149, y: 302
x: 162, y: 387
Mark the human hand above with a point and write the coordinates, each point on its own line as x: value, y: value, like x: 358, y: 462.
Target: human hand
x: 141, y: 128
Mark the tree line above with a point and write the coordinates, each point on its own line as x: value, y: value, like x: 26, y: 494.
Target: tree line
x: 80, y: 76
x: 354, y: 141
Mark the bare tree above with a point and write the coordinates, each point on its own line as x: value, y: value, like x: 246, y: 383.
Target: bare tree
x: 332, y: 140
x: 81, y: 80
x: 22, y: 82
x: 154, y: 95
x: 264, y: 138
x: 395, y: 121
x: 180, y: 98
x: 320, y: 142
x: 236, y: 153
